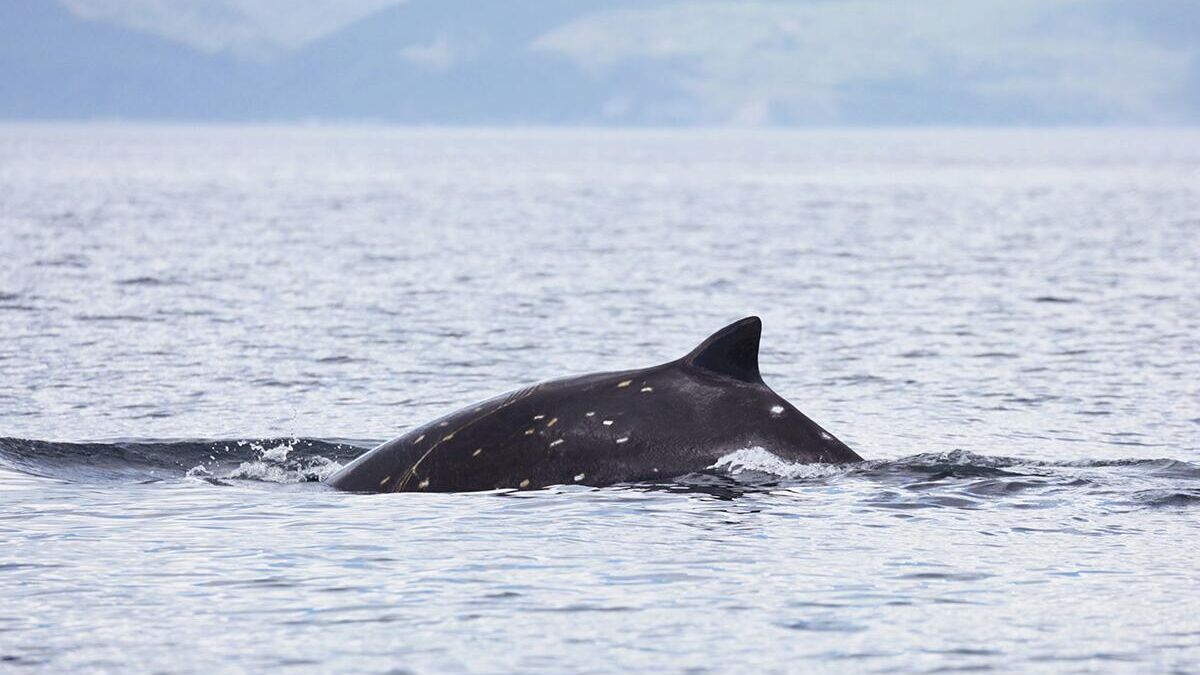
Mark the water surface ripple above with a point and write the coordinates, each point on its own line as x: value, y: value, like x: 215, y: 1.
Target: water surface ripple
x: 197, y: 324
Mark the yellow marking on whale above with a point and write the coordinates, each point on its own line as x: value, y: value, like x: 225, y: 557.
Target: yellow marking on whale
x: 511, y: 399
x: 624, y: 383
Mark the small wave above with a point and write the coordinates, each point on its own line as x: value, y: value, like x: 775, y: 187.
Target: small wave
x: 146, y: 281
x: 968, y: 459
x: 963, y: 479
x: 129, y: 318
x: 756, y: 461
x: 341, y: 360
x: 1167, y: 498
x: 282, y: 460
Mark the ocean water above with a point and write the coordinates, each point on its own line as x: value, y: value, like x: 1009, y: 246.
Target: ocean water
x: 197, y: 324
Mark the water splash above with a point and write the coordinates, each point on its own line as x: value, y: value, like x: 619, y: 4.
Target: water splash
x: 274, y: 465
x: 757, y: 462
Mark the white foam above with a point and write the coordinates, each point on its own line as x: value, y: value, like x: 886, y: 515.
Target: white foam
x: 199, y: 471
x: 263, y: 471
x: 319, y: 468
x: 276, y: 454
x: 273, y: 465
x: 757, y: 459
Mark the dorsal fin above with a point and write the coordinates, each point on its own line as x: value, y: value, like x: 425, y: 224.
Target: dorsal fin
x: 731, y: 351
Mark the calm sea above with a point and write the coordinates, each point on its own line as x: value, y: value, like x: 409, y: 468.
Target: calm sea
x: 196, y: 324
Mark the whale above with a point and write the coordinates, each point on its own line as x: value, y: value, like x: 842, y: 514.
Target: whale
x: 631, y: 426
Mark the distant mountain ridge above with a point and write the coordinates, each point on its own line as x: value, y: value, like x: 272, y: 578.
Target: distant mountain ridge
x: 558, y: 62
x: 360, y: 72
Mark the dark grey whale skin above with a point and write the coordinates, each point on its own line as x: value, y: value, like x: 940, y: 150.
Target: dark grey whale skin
x: 651, y: 424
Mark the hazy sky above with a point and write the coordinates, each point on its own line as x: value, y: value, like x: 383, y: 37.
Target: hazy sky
x: 637, y: 62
